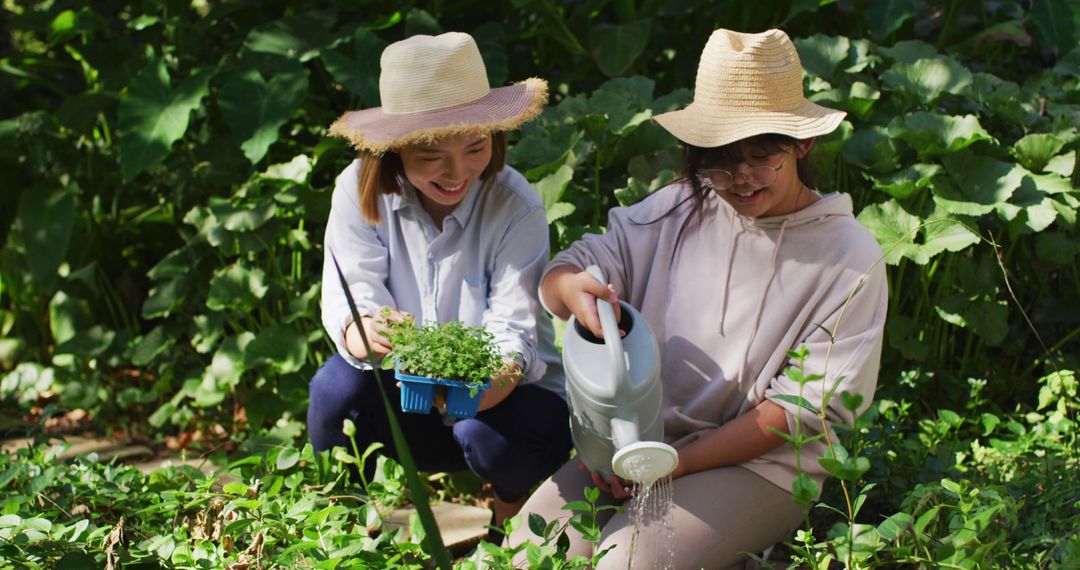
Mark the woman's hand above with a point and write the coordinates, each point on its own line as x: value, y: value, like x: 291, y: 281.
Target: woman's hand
x: 570, y: 291
x: 375, y: 328
x: 612, y: 485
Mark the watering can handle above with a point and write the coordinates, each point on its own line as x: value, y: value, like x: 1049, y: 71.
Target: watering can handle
x: 610, y: 327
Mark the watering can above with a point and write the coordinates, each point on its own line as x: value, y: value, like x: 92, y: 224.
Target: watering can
x: 613, y: 384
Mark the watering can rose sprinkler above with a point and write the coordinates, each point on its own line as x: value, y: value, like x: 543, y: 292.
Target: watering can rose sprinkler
x: 613, y: 385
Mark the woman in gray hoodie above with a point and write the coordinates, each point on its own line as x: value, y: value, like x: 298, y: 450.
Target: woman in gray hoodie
x: 733, y: 266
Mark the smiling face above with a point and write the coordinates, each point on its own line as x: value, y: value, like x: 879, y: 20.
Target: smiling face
x: 759, y: 178
x: 444, y: 171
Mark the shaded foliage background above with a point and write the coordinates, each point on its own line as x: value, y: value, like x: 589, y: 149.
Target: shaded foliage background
x: 166, y: 178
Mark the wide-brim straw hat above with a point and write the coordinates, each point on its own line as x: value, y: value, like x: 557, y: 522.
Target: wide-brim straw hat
x: 748, y: 85
x: 433, y: 87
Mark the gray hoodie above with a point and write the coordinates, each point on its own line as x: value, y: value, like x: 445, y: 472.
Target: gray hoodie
x: 736, y: 296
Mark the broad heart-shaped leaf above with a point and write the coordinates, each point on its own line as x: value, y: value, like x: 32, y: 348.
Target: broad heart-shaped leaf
x: 359, y: 74
x: 615, y: 47
x: 1058, y: 24
x: 239, y: 219
x: 931, y: 134
x: 624, y: 101
x: 296, y: 170
x: 910, y: 51
x: 420, y: 21
x: 872, y: 149
x: 927, y: 79
x: 256, y: 108
x: 894, y: 228
x: 1031, y: 204
x: 236, y: 288
x: 559, y: 210
x: 886, y: 16
x: 1035, y: 151
x: 1056, y: 247
x: 821, y: 54
x: 552, y: 186
x: 976, y: 184
x: 907, y: 182
x: 298, y: 37
x: 986, y: 318
x: 857, y: 97
x: 152, y: 115
x: 46, y: 217
x: 281, y: 346
x: 904, y: 235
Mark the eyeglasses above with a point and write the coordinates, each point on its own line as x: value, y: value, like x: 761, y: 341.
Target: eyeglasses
x: 758, y: 176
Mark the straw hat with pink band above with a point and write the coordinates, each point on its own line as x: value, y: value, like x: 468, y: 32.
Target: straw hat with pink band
x: 434, y: 87
x: 748, y: 85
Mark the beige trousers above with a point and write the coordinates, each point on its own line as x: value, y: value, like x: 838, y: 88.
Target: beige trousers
x: 718, y: 517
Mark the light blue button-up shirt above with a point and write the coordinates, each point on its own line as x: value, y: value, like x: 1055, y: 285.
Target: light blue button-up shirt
x: 483, y: 268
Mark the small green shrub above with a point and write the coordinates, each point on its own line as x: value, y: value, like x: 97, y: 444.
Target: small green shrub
x: 450, y: 350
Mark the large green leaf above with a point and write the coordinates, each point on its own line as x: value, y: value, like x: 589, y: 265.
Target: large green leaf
x: 894, y: 228
x: 1031, y: 204
x: 976, y: 184
x: 909, y: 181
x: 1058, y: 23
x: 1034, y: 151
x: 419, y: 21
x: 886, y: 16
x: 152, y: 116
x: 872, y: 149
x: 904, y: 235
x: 236, y: 288
x: 359, y: 74
x: 927, y: 79
x: 624, y: 101
x: 931, y: 134
x: 616, y: 47
x: 986, y: 318
x: 821, y: 54
x: 857, y: 97
x: 298, y: 37
x: 256, y: 108
x: 281, y: 346
x: 910, y: 51
x: 46, y: 217
x: 491, y: 41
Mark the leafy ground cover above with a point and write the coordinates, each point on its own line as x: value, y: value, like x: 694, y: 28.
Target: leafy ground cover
x: 166, y: 181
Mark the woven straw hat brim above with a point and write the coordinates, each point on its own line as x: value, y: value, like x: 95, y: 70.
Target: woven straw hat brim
x: 710, y: 128
x: 503, y: 108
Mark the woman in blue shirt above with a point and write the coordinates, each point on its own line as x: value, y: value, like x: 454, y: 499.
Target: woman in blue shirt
x: 430, y: 222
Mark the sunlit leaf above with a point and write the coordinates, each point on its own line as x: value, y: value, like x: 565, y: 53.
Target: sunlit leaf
x: 927, y: 79
x: 910, y: 51
x: 872, y: 149
x: 281, y: 346
x: 152, y: 115
x: 821, y: 55
x: 931, y: 134
x: 909, y: 181
x: 236, y: 288
x: 895, y: 229
x: 1035, y: 151
x: 614, y: 47
x: 977, y: 184
x: 256, y: 108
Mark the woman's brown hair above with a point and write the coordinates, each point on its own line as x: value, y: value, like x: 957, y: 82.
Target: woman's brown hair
x: 383, y: 174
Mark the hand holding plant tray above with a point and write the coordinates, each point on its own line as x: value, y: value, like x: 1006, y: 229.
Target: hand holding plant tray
x: 460, y: 358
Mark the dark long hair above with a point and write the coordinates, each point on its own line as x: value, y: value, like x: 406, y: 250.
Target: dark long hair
x: 696, y: 158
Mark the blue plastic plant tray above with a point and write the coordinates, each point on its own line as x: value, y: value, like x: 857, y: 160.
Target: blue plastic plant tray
x: 417, y: 393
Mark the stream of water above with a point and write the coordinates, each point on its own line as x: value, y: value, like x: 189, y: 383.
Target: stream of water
x: 650, y: 508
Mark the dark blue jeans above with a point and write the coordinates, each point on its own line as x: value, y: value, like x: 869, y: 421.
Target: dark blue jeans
x: 514, y: 445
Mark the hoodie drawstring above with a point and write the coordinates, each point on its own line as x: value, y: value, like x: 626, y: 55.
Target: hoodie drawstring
x: 727, y: 277
x: 761, y: 301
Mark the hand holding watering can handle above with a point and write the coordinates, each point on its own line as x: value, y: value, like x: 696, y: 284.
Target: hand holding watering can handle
x: 610, y: 327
